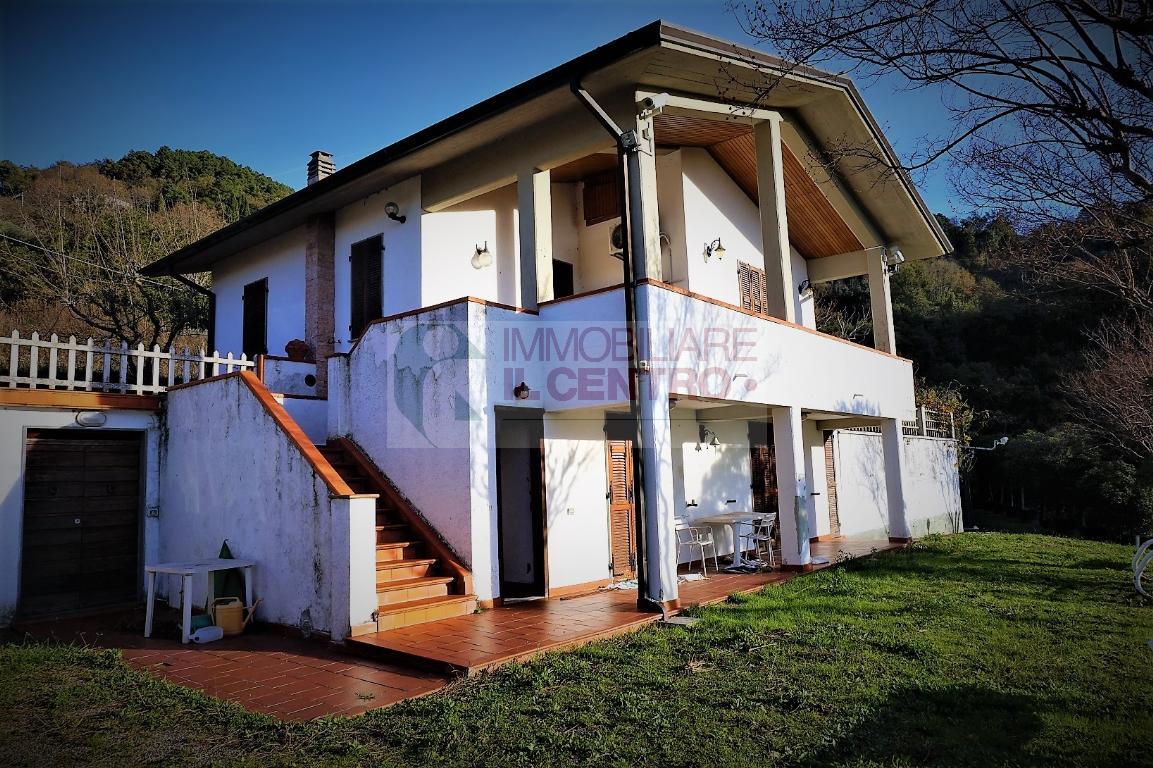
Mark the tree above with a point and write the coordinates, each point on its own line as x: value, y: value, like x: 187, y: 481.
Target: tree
x: 73, y: 237
x: 77, y: 239
x: 1052, y: 102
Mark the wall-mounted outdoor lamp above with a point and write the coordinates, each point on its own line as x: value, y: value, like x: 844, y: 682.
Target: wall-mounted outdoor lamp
x: 714, y: 249
x: 482, y: 258
x: 521, y: 391
x: 703, y: 436
x: 91, y: 418
x: 805, y: 289
x: 392, y: 211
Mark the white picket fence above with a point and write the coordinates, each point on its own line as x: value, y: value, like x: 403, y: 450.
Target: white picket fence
x: 108, y: 366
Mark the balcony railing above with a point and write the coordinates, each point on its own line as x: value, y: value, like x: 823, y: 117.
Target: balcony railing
x: 106, y: 366
x: 927, y: 424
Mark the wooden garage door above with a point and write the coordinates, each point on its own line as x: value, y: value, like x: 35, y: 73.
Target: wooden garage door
x: 81, y: 520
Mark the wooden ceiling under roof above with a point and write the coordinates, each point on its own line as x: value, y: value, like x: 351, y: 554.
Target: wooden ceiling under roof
x: 815, y: 227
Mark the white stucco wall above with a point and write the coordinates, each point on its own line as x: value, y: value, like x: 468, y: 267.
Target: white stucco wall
x: 310, y: 414
x: 565, y: 225
x: 289, y: 377
x: 576, y: 481
x: 449, y: 239
x: 775, y: 364
x: 716, y: 207
x: 14, y: 426
x: 281, y: 261
x: 932, y: 485
x: 237, y: 476
x: 402, y: 277
x: 407, y: 387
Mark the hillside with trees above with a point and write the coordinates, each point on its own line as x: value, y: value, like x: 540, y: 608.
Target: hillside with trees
x: 74, y: 236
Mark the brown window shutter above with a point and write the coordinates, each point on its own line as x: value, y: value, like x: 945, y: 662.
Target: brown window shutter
x: 366, y: 283
x: 254, y: 330
x: 602, y: 198
x: 831, y: 481
x: 752, y: 288
x: 621, y: 510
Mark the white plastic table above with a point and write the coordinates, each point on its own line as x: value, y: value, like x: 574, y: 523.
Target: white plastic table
x: 186, y: 571
x: 731, y: 520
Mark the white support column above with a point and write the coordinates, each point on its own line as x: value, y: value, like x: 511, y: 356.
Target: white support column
x: 774, y: 221
x: 792, y: 487
x: 893, y: 450
x: 657, y: 458
x: 646, y: 170
x: 534, y: 204
x: 881, y: 303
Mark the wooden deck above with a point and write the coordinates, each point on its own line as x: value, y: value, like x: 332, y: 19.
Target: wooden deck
x: 469, y: 644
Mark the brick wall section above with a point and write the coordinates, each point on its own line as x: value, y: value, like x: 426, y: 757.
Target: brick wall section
x: 319, y: 293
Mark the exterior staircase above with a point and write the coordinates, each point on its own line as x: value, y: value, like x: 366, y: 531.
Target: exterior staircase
x: 418, y: 578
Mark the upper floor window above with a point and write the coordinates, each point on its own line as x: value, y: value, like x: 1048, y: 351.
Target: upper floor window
x: 254, y: 334
x: 366, y: 283
x: 751, y: 280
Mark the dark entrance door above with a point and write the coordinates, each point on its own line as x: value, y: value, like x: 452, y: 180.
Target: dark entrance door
x: 622, y: 547
x: 81, y: 534
x: 520, y: 503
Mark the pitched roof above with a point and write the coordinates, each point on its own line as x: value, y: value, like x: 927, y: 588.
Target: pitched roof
x: 364, y: 176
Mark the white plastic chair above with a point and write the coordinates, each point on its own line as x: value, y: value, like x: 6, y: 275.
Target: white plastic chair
x: 759, y: 538
x: 1141, y: 560
x: 691, y: 536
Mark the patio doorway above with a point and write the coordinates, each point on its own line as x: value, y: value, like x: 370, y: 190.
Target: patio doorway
x: 520, y: 502
x: 763, y: 461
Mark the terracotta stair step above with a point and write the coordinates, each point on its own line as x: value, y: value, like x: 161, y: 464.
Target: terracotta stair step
x: 388, y: 610
x: 396, y: 550
x: 390, y: 571
x: 387, y: 533
x: 387, y: 565
x: 422, y: 581
x: 407, y: 590
x: 405, y: 615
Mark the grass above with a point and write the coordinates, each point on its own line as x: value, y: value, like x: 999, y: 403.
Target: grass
x: 975, y: 649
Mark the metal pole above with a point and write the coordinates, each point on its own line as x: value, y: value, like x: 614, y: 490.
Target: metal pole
x: 628, y: 164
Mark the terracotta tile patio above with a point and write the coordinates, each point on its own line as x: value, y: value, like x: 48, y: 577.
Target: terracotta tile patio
x: 286, y: 677
x: 295, y: 679
x: 469, y: 644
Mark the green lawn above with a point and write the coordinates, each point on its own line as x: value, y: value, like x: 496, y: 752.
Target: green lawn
x: 976, y: 649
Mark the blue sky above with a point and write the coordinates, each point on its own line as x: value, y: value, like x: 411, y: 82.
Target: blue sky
x: 266, y: 83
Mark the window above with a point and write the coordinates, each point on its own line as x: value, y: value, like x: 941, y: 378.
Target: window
x: 752, y: 286
x: 254, y: 334
x: 562, y: 279
x: 366, y: 284
x: 602, y: 198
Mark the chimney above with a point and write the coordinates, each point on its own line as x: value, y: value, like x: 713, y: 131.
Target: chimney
x: 320, y: 165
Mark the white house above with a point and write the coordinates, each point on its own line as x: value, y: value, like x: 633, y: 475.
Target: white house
x: 454, y: 425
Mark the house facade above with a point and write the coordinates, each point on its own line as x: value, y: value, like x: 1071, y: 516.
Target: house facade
x: 507, y: 356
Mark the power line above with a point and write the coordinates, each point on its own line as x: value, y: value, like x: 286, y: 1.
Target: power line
x: 105, y: 267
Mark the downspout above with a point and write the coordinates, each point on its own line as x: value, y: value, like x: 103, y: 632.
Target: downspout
x: 211, y: 307
x: 628, y: 162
